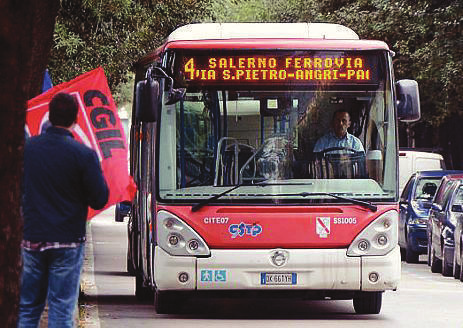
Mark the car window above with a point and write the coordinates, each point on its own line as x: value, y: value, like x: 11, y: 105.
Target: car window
x: 407, y: 189
x: 458, y: 196
x: 426, y: 188
x: 441, y: 192
x: 448, y: 193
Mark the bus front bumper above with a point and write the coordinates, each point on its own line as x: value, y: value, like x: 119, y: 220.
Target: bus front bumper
x: 303, y: 269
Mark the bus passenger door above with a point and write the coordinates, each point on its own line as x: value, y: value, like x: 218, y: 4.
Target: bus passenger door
x: 146, y: 107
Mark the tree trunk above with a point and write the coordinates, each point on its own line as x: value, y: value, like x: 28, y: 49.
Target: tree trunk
x: 26, y: 34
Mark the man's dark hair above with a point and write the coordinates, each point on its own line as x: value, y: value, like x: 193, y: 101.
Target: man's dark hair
x: 63, y: 110
x: 340, y: 110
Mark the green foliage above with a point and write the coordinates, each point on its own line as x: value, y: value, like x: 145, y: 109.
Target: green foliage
x: 426, y: 36
x: 114, y: 34
x: 66, y: 40
x: 427, y: 39
x: 123, y: 92
x: 262, y: 11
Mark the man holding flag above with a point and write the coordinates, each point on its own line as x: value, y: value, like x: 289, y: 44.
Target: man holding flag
x: 98, y: 127
x: 62, y: 178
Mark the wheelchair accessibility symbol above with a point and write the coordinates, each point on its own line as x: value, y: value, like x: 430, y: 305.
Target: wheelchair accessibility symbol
x: 213, y: 275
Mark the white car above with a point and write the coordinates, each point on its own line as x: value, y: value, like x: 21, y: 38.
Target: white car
x: 411, y: 161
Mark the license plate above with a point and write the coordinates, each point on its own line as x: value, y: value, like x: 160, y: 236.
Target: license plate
x: 267, y: 278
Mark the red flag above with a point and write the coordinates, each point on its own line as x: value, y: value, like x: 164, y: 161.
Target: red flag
x: 98, y: 126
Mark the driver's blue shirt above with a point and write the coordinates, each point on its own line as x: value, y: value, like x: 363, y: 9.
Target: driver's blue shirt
x: 330, y: 140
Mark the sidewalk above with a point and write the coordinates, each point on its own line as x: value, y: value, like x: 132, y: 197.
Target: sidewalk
x: 88, y: 305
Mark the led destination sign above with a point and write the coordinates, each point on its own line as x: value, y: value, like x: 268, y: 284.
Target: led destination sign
x: 267, y: 69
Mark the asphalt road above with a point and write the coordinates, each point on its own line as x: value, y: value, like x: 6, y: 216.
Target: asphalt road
x: 424, y: 299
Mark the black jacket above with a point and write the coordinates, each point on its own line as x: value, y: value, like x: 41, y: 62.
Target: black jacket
x: 62, y: 177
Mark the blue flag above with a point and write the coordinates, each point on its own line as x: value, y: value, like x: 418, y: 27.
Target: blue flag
x: 46, y: 81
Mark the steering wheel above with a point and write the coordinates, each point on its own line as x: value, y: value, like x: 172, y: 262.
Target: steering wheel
x: 327, y: 150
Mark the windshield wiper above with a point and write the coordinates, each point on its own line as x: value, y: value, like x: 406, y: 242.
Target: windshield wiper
x: 368, y: 205
x: 362, y: 203
x: 204, y: 202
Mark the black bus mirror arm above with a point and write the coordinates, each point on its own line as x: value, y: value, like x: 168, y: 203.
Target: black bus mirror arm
x: 174, y: 95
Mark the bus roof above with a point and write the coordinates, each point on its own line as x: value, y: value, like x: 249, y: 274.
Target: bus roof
x: 279, y: 44
x: 220, y: 31
x: 269, y: 36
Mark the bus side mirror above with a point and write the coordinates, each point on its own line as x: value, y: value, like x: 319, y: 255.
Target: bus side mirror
x: 147, y: 104
x: 408, y: 101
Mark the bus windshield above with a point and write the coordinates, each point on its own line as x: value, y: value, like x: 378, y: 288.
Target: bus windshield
x: 295, y: 127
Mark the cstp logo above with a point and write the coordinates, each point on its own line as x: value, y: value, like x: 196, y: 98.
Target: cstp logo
x: 244, y: 229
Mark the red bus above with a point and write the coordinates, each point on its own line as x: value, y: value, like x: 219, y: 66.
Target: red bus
x: 234, y: 199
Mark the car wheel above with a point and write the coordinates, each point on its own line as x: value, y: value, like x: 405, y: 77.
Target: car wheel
x: 456, y: 266
x: 447, y: 267
x: 167, y: 302
x: 368, y: 302
x: 143, y: 293
x: 436, y: 264
x: 118, y: 217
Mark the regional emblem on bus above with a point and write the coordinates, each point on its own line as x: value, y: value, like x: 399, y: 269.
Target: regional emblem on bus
x: 323, y: 226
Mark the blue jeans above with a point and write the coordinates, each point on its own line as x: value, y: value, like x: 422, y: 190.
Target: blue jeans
x: 53, y: 272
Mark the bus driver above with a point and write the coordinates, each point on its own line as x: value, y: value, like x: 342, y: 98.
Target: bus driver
x: 339, y: 137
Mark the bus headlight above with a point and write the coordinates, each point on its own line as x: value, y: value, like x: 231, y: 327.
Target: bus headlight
x: 378, y: 238
x: 382, y: 240
x: 174, y: 240
x: 178, y: 238
x: 363, y: 245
